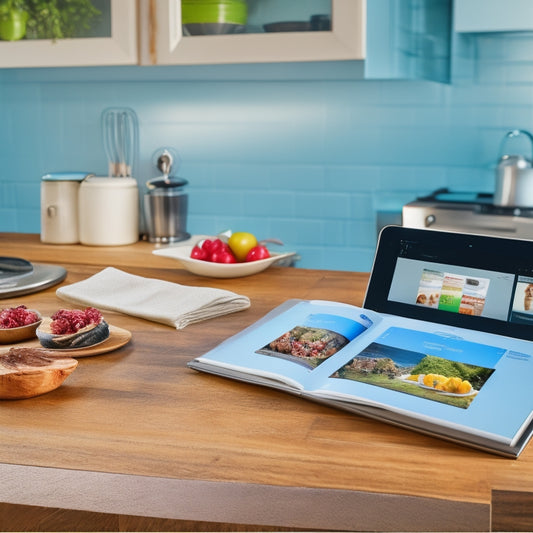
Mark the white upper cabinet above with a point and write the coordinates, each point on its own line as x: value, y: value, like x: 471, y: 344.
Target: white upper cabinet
x: 111, y: 40
x: 273, y: 31
x: 406, y: 39
x: 472, y: 16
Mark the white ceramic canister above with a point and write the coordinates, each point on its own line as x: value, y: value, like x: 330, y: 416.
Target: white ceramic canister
x: 59, y: 207
x: 108, y: 211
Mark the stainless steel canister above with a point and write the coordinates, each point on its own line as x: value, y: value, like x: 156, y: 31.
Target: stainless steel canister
x: 165, y: 210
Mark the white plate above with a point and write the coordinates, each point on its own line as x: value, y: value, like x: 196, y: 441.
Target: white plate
x: 218, y: 270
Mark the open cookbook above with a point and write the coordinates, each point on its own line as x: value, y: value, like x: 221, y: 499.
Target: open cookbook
x: 442, y: 344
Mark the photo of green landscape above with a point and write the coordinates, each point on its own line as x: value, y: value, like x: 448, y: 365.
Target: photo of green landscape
x: 416, y: 373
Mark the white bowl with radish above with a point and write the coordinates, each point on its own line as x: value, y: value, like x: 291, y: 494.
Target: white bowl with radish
x: 226, y: 256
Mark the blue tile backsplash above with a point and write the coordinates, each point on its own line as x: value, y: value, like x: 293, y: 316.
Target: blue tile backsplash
x: 307, y: 156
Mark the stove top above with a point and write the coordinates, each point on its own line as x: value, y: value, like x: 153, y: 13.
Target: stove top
x: 481, y: 203
x: 468, y: 212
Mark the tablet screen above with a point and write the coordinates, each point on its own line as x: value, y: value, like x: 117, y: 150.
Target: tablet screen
x: 472, y: 281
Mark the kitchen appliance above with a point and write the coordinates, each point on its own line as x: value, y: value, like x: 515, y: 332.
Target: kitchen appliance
x: 468, y: 212
x: 109, y: 205
x: 166, y: 204
x: 59, y: 207
x: 514, y: 173
x: 13, y: 267
x: 108, y: 211
x: 19, y: 276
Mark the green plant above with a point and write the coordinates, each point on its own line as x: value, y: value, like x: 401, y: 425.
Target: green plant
x: 13, y: 18
x: 59, y: 19
x: 9, y: 5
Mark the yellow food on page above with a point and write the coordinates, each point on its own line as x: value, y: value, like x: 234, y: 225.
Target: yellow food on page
x: 452, y: 384
x: 464, y: 388
x: 430, y: 380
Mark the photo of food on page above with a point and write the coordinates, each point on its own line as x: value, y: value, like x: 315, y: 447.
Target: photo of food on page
x: 315, y: 340
x: 438, y: 371
x: 456, y: 293
x: 522, y: 309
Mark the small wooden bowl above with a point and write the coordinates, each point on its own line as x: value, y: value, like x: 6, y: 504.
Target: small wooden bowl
x: 22, y: 333
x: 29, y: 372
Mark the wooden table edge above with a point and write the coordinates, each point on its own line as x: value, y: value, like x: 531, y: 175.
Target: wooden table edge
x: 233, y: 502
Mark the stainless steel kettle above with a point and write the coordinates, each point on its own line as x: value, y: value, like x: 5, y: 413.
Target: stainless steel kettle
x: 514, y: 173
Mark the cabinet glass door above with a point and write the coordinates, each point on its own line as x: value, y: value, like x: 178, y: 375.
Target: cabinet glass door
x: 49, y: 33
x: 244, y: 31
x: 254, y: 16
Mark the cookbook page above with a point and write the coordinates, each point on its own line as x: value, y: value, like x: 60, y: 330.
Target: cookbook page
x: 462, y: 379
x: 289, y: 344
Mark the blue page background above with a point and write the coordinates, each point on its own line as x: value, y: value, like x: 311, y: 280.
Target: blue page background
x: 501, y: 406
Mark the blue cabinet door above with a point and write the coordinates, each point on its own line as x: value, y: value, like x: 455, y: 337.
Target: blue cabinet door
x: 493, y: 15
x: 409, y: 39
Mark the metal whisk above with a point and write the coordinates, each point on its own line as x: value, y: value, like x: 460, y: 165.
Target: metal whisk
x: 120, y: 132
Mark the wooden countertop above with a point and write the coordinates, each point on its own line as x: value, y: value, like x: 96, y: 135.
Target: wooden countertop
x: 136, y: 440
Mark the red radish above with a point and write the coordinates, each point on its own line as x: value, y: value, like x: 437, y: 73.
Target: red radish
x: 223, y: 257
x: 257, y: 253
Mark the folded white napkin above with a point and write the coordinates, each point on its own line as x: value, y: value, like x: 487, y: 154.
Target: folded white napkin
x: 152, y: 299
